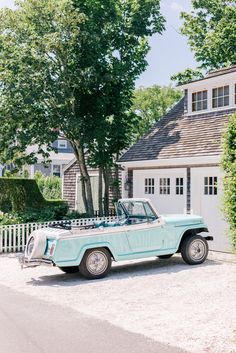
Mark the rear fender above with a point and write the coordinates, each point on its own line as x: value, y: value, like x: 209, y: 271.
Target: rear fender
x: 105, y: 245
x: 83, y: 249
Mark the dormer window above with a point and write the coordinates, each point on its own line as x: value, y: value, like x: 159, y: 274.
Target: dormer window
x: 220, y: 96
x: 199, y: 101
x: 215, y: 92
x: 62, y: 144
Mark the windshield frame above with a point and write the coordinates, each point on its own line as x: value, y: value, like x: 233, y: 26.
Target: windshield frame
x: 133, y: 216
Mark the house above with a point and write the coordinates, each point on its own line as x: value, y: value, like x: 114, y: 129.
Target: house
x: 72, y: 192
x: 6, y: 168
x: 58, y: 160
x: 177, y: 163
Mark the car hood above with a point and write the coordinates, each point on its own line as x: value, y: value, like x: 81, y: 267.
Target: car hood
x: 180, y: 219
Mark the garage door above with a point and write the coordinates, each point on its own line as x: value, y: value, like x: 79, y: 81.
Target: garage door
x: 166, y: 188
x: 206, y: 200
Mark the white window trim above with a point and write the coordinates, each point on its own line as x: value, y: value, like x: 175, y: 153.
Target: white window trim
x: 165, y: 185
x: 208, y: 185
x: 197, y: 101
x: 52, y: 165
x: 149, y: 187
x: 218, y: 97
x: 209, y: 84
x: 62, y: 147
x: 179, y: 186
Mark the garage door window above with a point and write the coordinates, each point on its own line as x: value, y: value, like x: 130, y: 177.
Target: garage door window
x: 179, y: 186
x: 149, y: 185
x: 164, y: 186
x: 210, y: 185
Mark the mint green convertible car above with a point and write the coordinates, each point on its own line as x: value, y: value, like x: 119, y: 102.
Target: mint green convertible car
x: 138, y: 232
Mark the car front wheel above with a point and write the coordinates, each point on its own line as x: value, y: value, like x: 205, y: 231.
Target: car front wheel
x: 194, y: 250
x: 96, y: 263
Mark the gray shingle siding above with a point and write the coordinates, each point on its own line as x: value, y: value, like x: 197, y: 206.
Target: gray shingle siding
x: 69, y: 185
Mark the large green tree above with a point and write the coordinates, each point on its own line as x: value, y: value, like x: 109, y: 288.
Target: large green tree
x: 150, y: 104
x: 68, y: 67
x: 229, y: 166
x: 211, y: 31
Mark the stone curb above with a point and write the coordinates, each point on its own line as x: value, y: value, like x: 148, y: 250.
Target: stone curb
x: 222, y: 256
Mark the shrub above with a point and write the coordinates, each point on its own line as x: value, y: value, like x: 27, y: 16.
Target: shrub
x: 229, y: 166
x: 8, y: 218
x: 54, y: 210
x: 50, y: 186
x: 74, y: 215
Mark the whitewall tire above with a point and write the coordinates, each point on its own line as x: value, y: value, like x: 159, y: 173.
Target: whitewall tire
x: 36, y: 246
x: 194, y: 250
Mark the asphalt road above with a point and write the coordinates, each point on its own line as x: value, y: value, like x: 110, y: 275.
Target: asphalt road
x: 29, y: 325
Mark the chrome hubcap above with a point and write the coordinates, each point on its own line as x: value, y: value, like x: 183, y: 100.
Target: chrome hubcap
x: 97, y: 263
x: 197, y: 249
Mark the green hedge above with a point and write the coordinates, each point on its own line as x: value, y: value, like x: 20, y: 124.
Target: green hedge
x: 22, y: 199
x: 18, y: 194
x: 229, y: 166
x: 53, y: 210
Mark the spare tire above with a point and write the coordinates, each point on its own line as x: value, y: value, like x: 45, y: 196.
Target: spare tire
x: 36, y: 245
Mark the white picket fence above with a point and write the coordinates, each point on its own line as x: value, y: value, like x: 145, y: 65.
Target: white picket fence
x: 13, y: 238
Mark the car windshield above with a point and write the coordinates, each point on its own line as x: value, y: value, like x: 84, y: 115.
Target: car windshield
x: 138, y: 209
x: 120, y: 212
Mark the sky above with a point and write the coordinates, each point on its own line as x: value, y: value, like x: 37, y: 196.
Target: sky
x: 169, y: 52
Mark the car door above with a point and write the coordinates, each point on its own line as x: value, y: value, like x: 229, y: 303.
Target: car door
x: 146, y: 237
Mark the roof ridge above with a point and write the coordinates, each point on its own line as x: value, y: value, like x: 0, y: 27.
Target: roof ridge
x: 222, y: 69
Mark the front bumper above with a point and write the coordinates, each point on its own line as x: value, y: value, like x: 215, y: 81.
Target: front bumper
x: 25, y: 262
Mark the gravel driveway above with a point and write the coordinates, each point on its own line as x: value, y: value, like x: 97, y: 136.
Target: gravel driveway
x: 190, y: 307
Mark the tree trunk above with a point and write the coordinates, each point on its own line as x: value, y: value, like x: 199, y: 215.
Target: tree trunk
x: 100, y: 193
x: 85, y: 179
x: 84, y: 194
x: 117, y: 180
x: 106, y: 190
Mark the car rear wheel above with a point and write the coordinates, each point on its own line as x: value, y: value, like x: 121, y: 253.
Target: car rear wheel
x: 162, y: 257
x: 96, y: 263
x: 194, y: 250
x: 71, y: 269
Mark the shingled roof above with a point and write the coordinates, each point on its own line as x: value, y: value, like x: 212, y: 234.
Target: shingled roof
x: 177, y: 135
x: 214, y: 73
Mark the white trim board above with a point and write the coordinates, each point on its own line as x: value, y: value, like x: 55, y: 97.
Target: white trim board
x: 188, y: 161
x: 68, y: 165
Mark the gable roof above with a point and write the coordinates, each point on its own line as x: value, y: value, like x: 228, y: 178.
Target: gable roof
x: 177, y: 136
